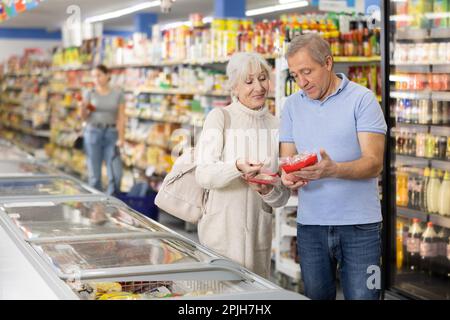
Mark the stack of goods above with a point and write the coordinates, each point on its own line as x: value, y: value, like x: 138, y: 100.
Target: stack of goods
x: 143, y: 290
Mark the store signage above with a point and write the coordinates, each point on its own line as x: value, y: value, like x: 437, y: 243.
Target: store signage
x: 11, y: 8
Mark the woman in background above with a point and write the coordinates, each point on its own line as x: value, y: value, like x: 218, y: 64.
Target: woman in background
x: 104, y: 111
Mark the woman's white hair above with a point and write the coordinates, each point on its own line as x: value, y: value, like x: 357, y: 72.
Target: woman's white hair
x: 241, y: 65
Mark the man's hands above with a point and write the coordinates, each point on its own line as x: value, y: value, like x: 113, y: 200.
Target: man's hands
x: 326, y: 168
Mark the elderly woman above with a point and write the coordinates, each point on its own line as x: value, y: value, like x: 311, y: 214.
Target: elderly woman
x: 235, y: 144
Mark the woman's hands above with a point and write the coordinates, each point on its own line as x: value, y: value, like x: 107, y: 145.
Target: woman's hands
x: 249, y: 170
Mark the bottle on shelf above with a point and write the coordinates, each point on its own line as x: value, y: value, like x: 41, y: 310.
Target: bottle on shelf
x: 428, y: 250
x: 436, y: 116
x: 448, y: 148
x: 405, y: 231
x: 400, y: 246
x: 430, y: 146
x: 402, y: 189
x: 433, y: 192
x: 444, y: 196
x: 425, y: 113
x: 423, y: 191
x: 441, y: 259
x: 413, y: 245
x: 445, y: 112
x: 420, y: 144
x: 441, y: 147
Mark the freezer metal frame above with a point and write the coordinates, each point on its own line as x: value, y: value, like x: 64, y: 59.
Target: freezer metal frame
x: 28, y: 174
x: 40, y: 198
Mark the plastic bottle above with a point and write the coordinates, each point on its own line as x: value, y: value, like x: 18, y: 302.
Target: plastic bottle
x: 428, y: 250
x: 433, y: 191
x: 424, y: 188
x: 444, y: 196
x: 413, y: 245
x: 405, y: 231
x: 441, y: 259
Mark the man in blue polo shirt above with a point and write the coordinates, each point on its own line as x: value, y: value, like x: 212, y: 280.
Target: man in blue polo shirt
x: 339, y: 213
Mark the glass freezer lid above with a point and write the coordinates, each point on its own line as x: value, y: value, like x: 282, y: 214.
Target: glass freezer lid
x: 8, y: 152
x: 76, y: 218
x: 68, y: 256
x: 45, y: 186
x: 23, y: 167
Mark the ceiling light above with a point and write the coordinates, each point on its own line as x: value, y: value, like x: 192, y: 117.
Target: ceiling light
x: 279, y: 7
x: 123, y: 12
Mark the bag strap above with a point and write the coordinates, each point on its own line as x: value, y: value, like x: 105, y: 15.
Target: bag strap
x: 226, y: 126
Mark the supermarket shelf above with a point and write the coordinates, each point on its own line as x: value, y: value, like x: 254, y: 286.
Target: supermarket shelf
x: 11, y: 101
x: 404, y: 124
x: 288, y: 231
x: 12, y: 88
x: 149, y: 144
x: 28, y: 131
x: 440, y: 33
x: 357, y: 59
x: 424, y: 216
x: 411, y: 213
x: 289, y: 268
x: 440, y: 220
x: 416, y: 68
x: 411, y: 34
x: 157, y: 119
x: 435, y: 163
x: 9, y: 110
x: 440, y: 95
x: 157, y: 64
x: 176, y: 91
x: 411, y: 94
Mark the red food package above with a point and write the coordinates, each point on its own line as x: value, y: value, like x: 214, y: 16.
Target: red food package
x: 265, y: 178
x: 298, y: 162
x: 91, y: 107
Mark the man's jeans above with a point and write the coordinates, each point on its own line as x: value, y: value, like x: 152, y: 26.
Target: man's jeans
x: 100, y: 144
x: 353, y: 250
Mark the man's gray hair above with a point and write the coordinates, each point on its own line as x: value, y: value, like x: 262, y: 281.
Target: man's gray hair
x: 242, y: 64
x: 318, y: 48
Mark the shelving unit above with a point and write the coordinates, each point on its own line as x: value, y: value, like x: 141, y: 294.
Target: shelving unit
x: 439, y: 220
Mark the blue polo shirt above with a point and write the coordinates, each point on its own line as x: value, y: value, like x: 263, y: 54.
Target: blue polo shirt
x: 333, y: 125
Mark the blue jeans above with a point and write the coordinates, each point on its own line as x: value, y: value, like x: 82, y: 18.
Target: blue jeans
x: 100, y: 145
x: 353, y: 250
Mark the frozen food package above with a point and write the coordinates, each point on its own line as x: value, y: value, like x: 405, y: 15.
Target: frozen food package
x: 265, y: 177
x: 298, y: 162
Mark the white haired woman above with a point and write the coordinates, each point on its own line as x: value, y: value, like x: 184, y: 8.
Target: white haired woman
x: 238, y: 218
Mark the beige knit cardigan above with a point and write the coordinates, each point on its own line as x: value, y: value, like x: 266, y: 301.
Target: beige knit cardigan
x: 238, y: 220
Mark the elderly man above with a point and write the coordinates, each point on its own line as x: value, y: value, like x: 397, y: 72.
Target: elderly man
x: 339, y: 213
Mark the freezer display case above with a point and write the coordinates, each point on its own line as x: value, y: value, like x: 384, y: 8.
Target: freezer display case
x: 151, y: 262
x: 57, y: 219
x: 418, y: 94
x: 16, y: 168
x: 38, y: 188
x: 9, y: 151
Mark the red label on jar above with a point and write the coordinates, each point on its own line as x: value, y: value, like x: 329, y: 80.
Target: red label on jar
x: 448, y: 252
x: 428, y: 250
x: 413, y: 245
